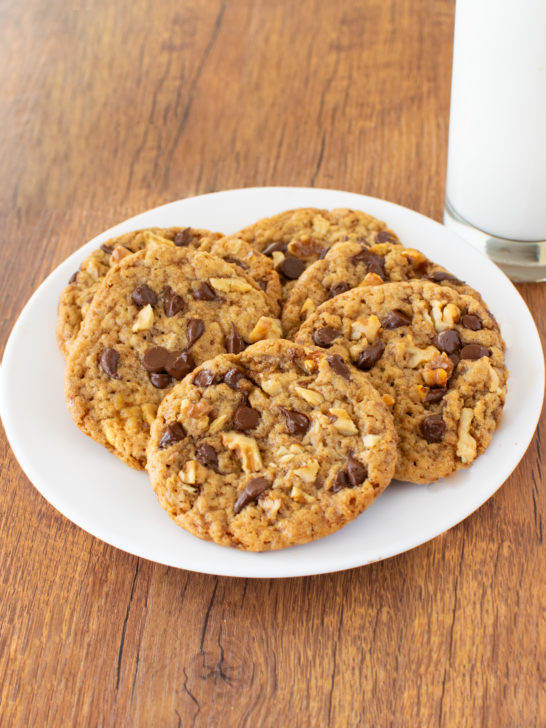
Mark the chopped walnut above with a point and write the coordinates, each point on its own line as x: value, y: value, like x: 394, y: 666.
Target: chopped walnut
x: 144, y: 319
x: 343, y: 422
x: 370, y: 440
x: 277, y: 257
x: 320, y: 224
x: 92, y: 269
x: 271, y: 386
x: 188, y: 474
x: 230, y: 285
x: 368, y: 327
x: 217, y: 424
x: 434, y: 377
x: 304, y: 248
x: 110, y: 428
x: 414, y: 257
x: 416, y: 356
x: 270, y: 506
x: 266, y: 328
x: 466, y: 444
x: 310, y: 365
x: 371, y: 279
x: 246, y: 448
x: 300, y: 496
x: 152, y: 240
x: 191, y: 489
x: 307, y: 308
x: 118, y: 254
x: 307, y: 473
x: 421, y: 392
x: 309, y: 395
x: 445, y: 318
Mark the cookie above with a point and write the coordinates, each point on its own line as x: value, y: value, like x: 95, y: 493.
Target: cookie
x: 276, y: 446
x: 436, y: 356
x: 256, y: 265
x: 347, y: 265
x: 155, y: 316
x: 296, y: 238
x: 76, y: 297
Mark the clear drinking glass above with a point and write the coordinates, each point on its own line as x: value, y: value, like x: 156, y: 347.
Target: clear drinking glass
x: 496, y: 173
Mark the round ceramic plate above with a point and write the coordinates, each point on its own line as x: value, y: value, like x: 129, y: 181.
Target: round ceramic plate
x: 116, y: 504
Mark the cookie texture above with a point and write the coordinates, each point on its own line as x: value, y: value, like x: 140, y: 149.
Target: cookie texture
x: 347, y: 265
x: 258, y: 266
x: 435, y: 355
x: 296, y: 238
x: 276, y: 446
x: 155, y: 316
x: 78, y: 294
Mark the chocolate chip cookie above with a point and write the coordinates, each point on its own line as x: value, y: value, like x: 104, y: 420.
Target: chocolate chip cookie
x: 347, y: 265
x: 155, y: 316
x: 296, y: 238
x: 436, y: 356
x: 275, y: 446
x: 76, y: 297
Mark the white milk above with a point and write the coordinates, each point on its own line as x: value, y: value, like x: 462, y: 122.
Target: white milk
x: 496, y: 176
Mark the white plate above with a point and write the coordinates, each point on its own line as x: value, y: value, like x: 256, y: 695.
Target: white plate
x: 116, y: 504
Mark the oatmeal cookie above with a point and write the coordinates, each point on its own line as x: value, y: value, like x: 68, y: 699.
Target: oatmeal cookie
x: 78, y: 294
x: 296, y: 238
x: 347, y: 265
x: 155, y: 316
x: 275, y: 446
x: 436, y: 356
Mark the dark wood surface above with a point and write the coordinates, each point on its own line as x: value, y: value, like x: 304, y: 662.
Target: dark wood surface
x: 111, y: 108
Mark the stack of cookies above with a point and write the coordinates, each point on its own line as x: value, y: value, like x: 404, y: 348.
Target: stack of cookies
x: 273, y: 382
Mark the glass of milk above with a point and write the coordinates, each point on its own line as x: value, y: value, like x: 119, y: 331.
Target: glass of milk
x: 496, y: 172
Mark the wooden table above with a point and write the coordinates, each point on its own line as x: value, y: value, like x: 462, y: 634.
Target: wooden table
x: 111, y: 108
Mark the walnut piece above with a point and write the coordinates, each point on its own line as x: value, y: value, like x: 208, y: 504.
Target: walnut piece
x: 230, y: 285
x: 188, y: 474
x: 271, y: 386
x: 307, y: 473
x: 466, y: 444
x: 144, y: 319
x: 309, y: 395
x: 371, y: 279
x: 217, y: 424
x: 445, y: 318
x: 92, y: 269
x: 300, y: 496
x: 149, y: 411
x: 368, y: 327
x: 277, y: 257
x: 152, y: 240
x: 307, y: 308
x: 343, y: 422
x: 266, y: 328
x: 246, y: 448
x: 434, y: 377
x: 119, y: 253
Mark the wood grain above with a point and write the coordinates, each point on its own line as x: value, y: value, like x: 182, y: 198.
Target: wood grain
x: 110, y: 109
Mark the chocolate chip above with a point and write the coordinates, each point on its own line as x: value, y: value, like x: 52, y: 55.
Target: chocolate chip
x: 74, y: 277
x: 455, y: 358
x: 435, y: 395
x: 106, y: 249
x: 374, y: 263
x: 205, y: 292
x: 296, y: 422
x: 291, y: 267
x: 232, y: 377
x: 207, y: 455
x: 433, y: 428
x: 272, y: 247
x: 172, y: 302
x: 183, y: 237
x: 179, y: 363
x: 340, y: 481
x: 263, y: 285
x: 339, y: 288
x: 143, y: 295
x: 471, y: 321
x: 196, y: 328
x: 171, y: 434
x: 234, y: 341
x: 474, y: 351
x: 204, y: 378
x: 235, y: 261
x: 160, y: 380
x: 384, y: 237
x: 154, y: 359
x: 438, y: 276
x: 370, y: 356
x: 245, y: 418
x: 326, y: 336
x: 356, y: 472
x: 254, y: 488
x: 339, y: 366
x: 396, y: 318
x: 448, y: 341
x: 109, y: 362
